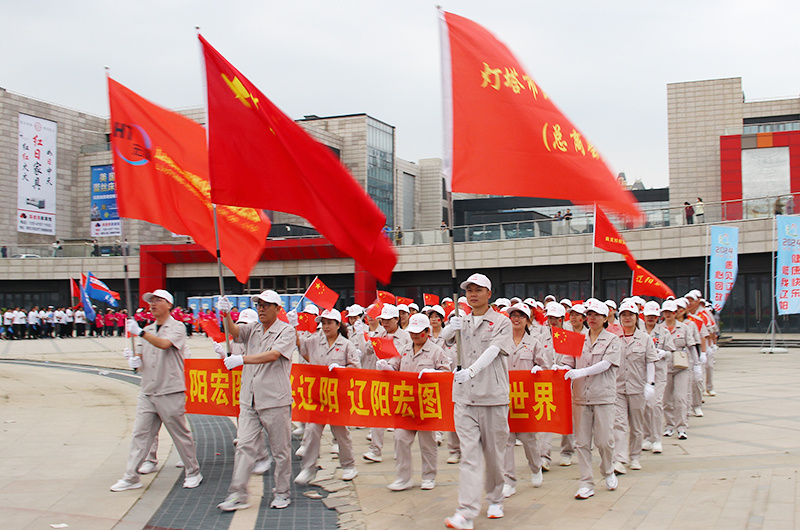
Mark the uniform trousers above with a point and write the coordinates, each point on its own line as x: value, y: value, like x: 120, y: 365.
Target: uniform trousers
x: 483, y: 433
x: 261, y: 446
x: 628, y: 427
x: 278, y: 422
x: 596, y: 422
x: 376, y: 445
x: 654, y: 413
x: 567, y: 440
x: 453, y: 445
x: 709, y: 369
x: 676, y: 397
x: 531, y: 448
x: 342, y: 435
x: 696, y: 386
x: 428, y: 448
x: 151, y: 411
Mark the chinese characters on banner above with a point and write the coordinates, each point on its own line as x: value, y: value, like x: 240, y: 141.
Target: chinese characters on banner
x: 36, y: 183
x: 373, y: 398
x: 724, y: 263
x: 104, y: 216
x: 787, y: 277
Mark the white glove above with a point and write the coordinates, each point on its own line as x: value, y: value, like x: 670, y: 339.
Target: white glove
x: 698, y: 372
x: 224, y: 305
x: 384, y: 365
x: 219, y: 350
x: 359, y: 327
x: 135, y: 362
x: 127, y: 353
x: 233, y: 361
x: 536, y: 369
x: 133, y: 328
x: 292, y: 317
x: 649, y: 393
x: 334, y: 365
x: 576, y: 373
x: 661, y: 354
x: 456, y: 322
x: 462, y: 376
x: 426, y: 371
x: 561, y: 367
x: 703, y: 358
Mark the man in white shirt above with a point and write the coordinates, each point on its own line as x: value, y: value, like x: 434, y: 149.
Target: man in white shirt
x: 80, y: 323
x: 60, y: 318
x: 69, y: 319
x: 8, y: 324
x: 20, y: 322
x: 42, y: 323
x: 33, y: 323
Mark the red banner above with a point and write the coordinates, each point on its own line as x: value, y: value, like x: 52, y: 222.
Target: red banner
x: 539, y: 402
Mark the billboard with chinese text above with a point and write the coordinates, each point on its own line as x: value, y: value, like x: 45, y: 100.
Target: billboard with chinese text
x: 724, y: 264
x: 36, y: 175
x: 104, y: 216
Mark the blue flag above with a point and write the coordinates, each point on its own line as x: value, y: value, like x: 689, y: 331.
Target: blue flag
x: 100, y: 291
x: 87, y: 305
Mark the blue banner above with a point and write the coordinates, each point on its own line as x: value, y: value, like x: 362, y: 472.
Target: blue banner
x: 724, y: 264
x: 787, y: 277
x: 104, y: 215
x: 87, y: 305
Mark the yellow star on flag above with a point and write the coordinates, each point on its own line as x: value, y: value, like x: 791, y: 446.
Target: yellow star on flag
x: 240, y: 91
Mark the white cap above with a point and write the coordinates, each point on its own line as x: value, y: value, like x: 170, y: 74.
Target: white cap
x: 694, y: 293
x: 437, y: 309
x: 611, y: 303
x: 330, y: 314
x: 579, y: 308
x: 651, y: 309
x: 549, y: 297
x: 515, y: 300
x: 554, y: 309
x: 566, y: 301
x: 682, y: 302
x: 462, y: 300
x: 530, y: 301
x: 502, y: 302
x: 388, y: 312
x: 638, y: 300
x: 446, y: 299
x: 268, y: 296
x: 522, y: 308
x: 247, y: 316
x: 669, y: 305
x: 403, y: 307
x: 425, y: 309
x: 597, y: 306
x: 413, y: 305
x: 311, y: 309
x: 418, y: 323
x: 629, y: 306
x: 355, y: 310
x: 161, y: 293
x: 478, y: 279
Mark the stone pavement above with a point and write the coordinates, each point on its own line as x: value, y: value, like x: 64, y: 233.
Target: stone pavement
x: 65, y: 437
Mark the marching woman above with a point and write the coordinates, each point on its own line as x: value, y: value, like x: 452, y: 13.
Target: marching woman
x: 677, y: 339
x: 527, y: 354
x: 332, y: 349
x: 436, y: 317
x: 654, y: 409
x: 635, y: 386
x: 594, y: 390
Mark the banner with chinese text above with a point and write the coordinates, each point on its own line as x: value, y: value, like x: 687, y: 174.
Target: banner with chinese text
x: 540, y: 402
x: 787, y: 277
x: 724, y: 264
x: 104, y: 215
x: 36, y: 183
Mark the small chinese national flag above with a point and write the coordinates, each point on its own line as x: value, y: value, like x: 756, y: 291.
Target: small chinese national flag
x: 568, y: 342
x: 375, y: 310
x: 386, y: 297
x: 321, y: 294
x: 282, y: 316
x: 404, y: 300
x: 384, y: 347
x: 430, y: 299
x: 212, y: 330
x: 306, y: 322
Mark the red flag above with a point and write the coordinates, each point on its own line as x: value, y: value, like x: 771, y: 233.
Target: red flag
x: 386, y: 297
x: 607, y: 238
x: 508, y: 137
x: 464, y: 309
x: 384, y: 347
x: 161, y: 166
x: 212, y: 330
x: 375, y: 309
x: 260, y: 158
x: 538, y: 315
x: 404, y: 300
x: 430, y: 299
x: 321, y: 294
x: 645, y: 283
x: 306, y: 322
x: 568, y: 342
x: 74, y: 291
x: 282, y: 316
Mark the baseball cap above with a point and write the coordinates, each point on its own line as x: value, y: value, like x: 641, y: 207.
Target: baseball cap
x: 311, y: 309
x: 414, y: 306
x: 247, y: 316
x: 554, y: 309
x: 355, y: 310
x: 160, y: 293
x: 682, y: 302
x: 330, y: 314
x: 638, y: 300
x: 478, y: 279
x: 579, y: 308
x: 502, y: 302
x: 389, y: 311
x: 651, y: 309
x: 597, y: 306
x: 522, y: 308
x: 669, y: 305
x: 566, y: 301
x: 629, y: 306
x: 403, y: 307
x: 611, y: 303
x: 437, y: 309
x: 418, y: 323
x: 268, y: 296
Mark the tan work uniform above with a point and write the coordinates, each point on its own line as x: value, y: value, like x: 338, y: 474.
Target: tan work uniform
x: 345, y: 354
x: 265, y: 400
x: 676, y: 392
x: 637, y: 351
x: 162, y: 399
x: 453, y: 445
x: 696, y: 385
x: 528, y: 353
x: 595, y: 396
x: 401, y: 339
x: 654, y: 413
x: 481, y: 412
x: 368, y: 359
x: 429, y: 356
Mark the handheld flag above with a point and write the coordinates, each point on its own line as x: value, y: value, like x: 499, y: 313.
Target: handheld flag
x: 306, y: 322
x: 568, y: 342
x: 100, y: 291
x: 282, y: 316
x: 74, y: 291
x: 386, y: 297
x: 607, y: 237
x: 645, y: 283
x: 404, y: 300
x: 87, y: 304
x: 384, y: 347
x: 375, y: 310
x: 211, y: 328
x: 430, y: 299
x: 321, y: 294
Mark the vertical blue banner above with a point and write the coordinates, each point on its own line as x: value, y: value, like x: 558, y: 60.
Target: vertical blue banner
x: 724, y: 263
x: 787, y: 273
x: 104, y: 215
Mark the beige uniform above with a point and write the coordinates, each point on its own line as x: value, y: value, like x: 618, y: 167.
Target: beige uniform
x: 595, y: 396
x: 676, y: 392
x: 453, y: 445
x: 368, y: 358
x: 481, y: 412
x: 654, y: 413
x: 524, y: 356
x: 429, y: 356
x: 696, y: 385
x: 401, y: 339
x: 545, y: 439
x: 637, y: 351
x: 162, y: 399
x: 265, y: 400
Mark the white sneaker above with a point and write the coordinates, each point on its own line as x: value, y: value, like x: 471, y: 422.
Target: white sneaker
x: 682, y: 435
x: 349, y: 473
x: 698, y: 412
x: 439, y: 438
x: 565, y: 461
x: 619, y: 468
x: 612, y: 482
x: 335, y: 450
x: 401, y: 485
x: 669, y: 432
x: 428, y: 484
x: 148, y: 467
x: 305, y: 476
x: 179, y: 464
x: 711, y: 393
x: 495, y: 511
x: 508, y: 490
x: 192, y: 482
x: 454, y: 459
x: 647, y: 445
x: 280, y: 502
x: 369, y: 456
x: 262, y: 466
x: 459, y: 522
x: 369, y: 436
x: 635, y: 465
x: 299, y: 430
x: 657, y: 448
x: 233, y: 502
x: 518, y: 443
x: 584, y: 493
x: 536, y: 479
x: 301, y: 451
x: 122, y: 485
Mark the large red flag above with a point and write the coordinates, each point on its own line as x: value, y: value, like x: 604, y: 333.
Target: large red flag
x: 507, y: 135
x: 645, y: 283
x: 321, y: 294
x: 161, y: 166
x: 607, y: 237
x: 260, y: 158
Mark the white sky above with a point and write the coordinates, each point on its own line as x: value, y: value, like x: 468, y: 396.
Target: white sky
x: 605, y: 64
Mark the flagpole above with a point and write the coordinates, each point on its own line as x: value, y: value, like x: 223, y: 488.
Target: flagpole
x: 707, y: 262
x: 453, y: 276
x: 594, y: 235
x: 221, y: 283
x: 128, y: 299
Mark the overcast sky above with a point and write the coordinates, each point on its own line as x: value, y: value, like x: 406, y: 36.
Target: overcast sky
x: 605, y: 64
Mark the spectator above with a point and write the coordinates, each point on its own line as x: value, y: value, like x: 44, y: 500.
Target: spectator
x: 4, y: 251
x: 398, y: 236
x: 689, y: 212
x: 699, y: 210
x: 56, y: 247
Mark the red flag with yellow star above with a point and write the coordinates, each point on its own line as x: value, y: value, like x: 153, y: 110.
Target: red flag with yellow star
x: 504, y: 134
x: 430, y: 299
x: 645, y: 283
x: 386, y: 297
x: 306, y: 322
x: 568, y: 342
x: 404, y: 300
x: 321, y: 294
x: 384, y: 347
x: 260, y: 158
